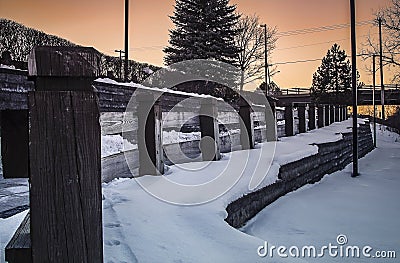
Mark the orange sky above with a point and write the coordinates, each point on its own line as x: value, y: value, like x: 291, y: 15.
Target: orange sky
x: 99, y: 23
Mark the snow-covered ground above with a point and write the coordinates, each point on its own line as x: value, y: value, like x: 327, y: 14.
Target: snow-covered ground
x: 140, y: 227
x: 365, y: 209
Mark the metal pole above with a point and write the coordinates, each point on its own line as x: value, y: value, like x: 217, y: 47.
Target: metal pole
x: 354, y: 86
x: 381, y: 69
x: 126, y: 40
x: 373, y: 96
x: 266, y: 60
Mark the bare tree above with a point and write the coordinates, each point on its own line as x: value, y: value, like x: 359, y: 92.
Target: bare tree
x: 390, y: 17
x: 250, y: 41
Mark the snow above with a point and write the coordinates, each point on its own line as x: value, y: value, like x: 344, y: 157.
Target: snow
x: 165, y: 90
x: 141, y: 228
x: 173, y: 136
x: 365, y: 209
x: 6, y: 66
x: 114, y: 144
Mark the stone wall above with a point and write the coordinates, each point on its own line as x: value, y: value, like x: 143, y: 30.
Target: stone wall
x: 331, y: 157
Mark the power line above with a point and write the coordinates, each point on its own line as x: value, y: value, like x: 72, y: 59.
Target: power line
x: 320, y: 43
x: 320, y: 29
x: 297, y: 61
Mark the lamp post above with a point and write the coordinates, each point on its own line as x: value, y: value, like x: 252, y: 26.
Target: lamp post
x: 373, y: 96
x: 266, y: 60
x: 354, y: 85
x: 126, y: 40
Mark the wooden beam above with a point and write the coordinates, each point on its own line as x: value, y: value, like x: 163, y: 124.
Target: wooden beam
x: 209, y: 144
x: 65, y: 194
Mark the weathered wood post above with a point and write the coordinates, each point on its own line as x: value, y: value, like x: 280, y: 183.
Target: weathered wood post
x: 332, y: 114
x: 311, y: 117
x: 209, y: 144
x: 14, y: 143
x: 270, y: 121
x: 327, y: 115
x: 64, y: 156
x: 289, y: 120
x: 149, y: 134
x: 321, y: 116
x: 246, y: 125
x: 341, y: 113
x: 337, y: 113
x: 302, y: 117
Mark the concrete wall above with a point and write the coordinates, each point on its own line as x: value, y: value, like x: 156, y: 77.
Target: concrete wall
x: 331, y: 157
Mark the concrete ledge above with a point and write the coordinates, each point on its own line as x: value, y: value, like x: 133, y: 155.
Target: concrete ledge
x: 331, y: 157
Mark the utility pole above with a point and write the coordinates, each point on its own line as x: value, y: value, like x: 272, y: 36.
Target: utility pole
x: 381, y: 68
x: 354, y: 86
x: 266, y: 60
x: 120, y: 62
x: 373, y: 95
x: 126, y: 40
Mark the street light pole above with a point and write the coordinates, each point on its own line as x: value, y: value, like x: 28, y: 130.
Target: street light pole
x: 381, y: 68
x: 126, y: 40
x: 266, y: 60
x: 354, y: 86
x: 373, y: 95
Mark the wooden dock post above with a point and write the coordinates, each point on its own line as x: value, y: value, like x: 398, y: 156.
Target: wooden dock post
x: 64, y: 156
x: 270, y: 121
x: 311, y: 117
x: 14, y: 143
x: 321, y: 116
x: 209, y: 130
x: 331, y: 114
x: 246, y: 125
x: 302, y: 117
x: 149, y: 135
x: 327, y: 115
x: 337, y: 113
x: 289, y: 120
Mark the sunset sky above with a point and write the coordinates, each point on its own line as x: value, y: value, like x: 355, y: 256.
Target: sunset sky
x: 99, y: 23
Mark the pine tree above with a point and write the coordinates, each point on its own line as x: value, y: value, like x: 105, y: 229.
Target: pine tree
x: 204, y: 29
x: 332, y: 80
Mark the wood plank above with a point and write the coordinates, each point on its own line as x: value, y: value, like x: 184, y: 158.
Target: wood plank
x: 65, y: 167
x: 18, y: 250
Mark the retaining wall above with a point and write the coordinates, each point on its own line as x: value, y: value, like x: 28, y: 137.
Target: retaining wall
x: 331, y: 157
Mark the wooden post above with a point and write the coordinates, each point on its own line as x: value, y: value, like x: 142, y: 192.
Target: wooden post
x: 65, y: 193
x: 332, y: 114
x: 149, y: 135
x: 337, y: 113
x: 311, y: 117
x: 289, y: 121
x: 302, y: 118
x: 209, y: 130
x: 270, y: 122
x: 14, y: 143
x: 341, y: 113
x: 321, y: 116
x: 246, y: 125
x: 327, y: 115
x: 64, y: 157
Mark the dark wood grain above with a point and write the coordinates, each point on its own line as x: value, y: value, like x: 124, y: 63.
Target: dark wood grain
x: 65, y: 195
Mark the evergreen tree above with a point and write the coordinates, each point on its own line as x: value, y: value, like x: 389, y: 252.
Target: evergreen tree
x: 332, y: 80
x: 204, y: 29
